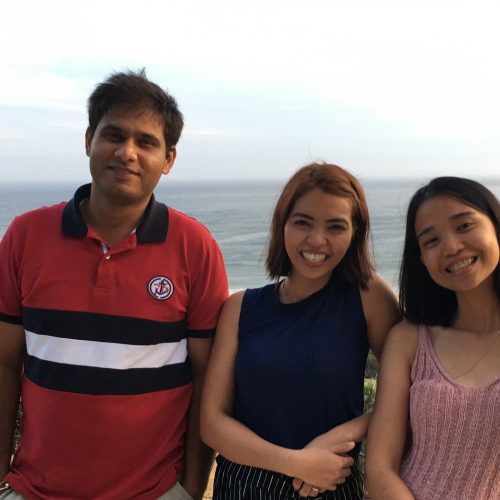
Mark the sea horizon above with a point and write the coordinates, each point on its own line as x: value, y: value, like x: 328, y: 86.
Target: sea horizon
x: 238, y: 213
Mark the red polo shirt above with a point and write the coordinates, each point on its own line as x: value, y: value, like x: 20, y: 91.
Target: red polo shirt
x: 107, y: 382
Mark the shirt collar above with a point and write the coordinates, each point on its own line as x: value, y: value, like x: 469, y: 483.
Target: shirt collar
x: 153, y: 227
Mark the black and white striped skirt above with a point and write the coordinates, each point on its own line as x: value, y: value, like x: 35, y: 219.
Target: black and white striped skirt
x: 240, y: 482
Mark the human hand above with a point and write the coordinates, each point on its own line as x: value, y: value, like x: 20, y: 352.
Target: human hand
x: 307, y: 490
x: 322, y: 468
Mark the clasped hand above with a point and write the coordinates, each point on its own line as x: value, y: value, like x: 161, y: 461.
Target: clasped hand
x: 323, y: 467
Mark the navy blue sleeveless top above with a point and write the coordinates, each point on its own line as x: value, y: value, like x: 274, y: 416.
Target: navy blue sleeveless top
x: 300, y: 367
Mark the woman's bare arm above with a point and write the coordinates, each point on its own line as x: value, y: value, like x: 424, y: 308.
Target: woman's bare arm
x: 389, y: 422
x: 321, y: 466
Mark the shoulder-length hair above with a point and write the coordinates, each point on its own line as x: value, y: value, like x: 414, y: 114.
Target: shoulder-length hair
x: 421, y: 299
x: 356, y: 266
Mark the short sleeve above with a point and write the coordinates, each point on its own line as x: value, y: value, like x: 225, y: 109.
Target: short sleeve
x: 209, y: 290
x: 10, y: 290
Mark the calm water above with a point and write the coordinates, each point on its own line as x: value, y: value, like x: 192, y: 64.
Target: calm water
x: 238, y: 215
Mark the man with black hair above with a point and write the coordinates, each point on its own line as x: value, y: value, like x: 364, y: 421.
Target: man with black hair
x: 108, y: 304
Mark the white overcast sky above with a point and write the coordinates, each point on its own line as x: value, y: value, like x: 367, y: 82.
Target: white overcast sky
x: 384, y: 88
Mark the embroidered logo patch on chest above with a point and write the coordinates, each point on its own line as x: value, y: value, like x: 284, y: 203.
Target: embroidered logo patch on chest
x: 160, y: 288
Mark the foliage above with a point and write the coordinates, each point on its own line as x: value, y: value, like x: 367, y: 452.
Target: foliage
x: 369, y: 393
x: 19, y: 417
x: 371, y: 369
x: 369, y: 397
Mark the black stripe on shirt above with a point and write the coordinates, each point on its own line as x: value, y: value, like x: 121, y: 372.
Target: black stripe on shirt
x: 109, y: 381
x: 201, y: 334
x: 13, y: 320
x: 102, y: 327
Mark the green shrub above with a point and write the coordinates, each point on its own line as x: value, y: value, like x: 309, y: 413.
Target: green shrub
x: 17, y: 434
x: 371, y: 369
x: 369, y: 393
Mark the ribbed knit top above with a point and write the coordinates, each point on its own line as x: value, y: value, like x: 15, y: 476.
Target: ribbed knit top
x: 300, y: 367
x: 455, y: 448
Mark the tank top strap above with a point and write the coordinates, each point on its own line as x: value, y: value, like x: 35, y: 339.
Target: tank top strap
x: 425, y: 362
x: 256, y: 303
x: 250, y: 297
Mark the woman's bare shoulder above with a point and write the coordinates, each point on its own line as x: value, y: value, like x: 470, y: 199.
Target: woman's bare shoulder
x: 403, y: 337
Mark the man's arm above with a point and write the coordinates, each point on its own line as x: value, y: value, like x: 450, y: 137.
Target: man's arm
x: 198, y: 458
x: 208, y: 291
x: 12, y: 347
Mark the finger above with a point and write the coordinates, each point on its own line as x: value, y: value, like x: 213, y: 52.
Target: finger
x: 346, y: 472
x: 340, y: 480
x: 308, y: 491
x: 316, y: 491
x: 333, y: 487
x: 341, y: 476
x: 340, y: 448
x: 347, y: 462
x: 297, y: 483
x: 304, y: 490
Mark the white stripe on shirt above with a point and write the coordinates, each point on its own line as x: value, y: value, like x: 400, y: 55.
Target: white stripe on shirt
x: 105, y: 354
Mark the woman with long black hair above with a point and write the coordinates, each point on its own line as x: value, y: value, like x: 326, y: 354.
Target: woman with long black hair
x: 440, y: 371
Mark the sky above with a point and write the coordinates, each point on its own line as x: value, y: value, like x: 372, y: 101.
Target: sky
x: 383, y: 88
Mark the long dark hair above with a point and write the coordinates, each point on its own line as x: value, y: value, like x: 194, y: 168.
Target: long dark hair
x: 421, y: 299
x: 356, y: 265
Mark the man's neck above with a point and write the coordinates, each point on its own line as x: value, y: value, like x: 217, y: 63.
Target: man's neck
x: 112, y: 222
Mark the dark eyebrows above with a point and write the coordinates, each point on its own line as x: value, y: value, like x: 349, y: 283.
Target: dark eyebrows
x: 300, y: 214
x: 424, y: 231
x: 338, y: 220
x: 329, y: 221
x: 151, y: 138
x: 456, y: 216
x: 111, y: 128
x: 461, y: 214
x: 115, y: 129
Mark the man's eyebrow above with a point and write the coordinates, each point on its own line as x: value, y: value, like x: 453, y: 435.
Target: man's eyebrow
x: 111, y: 128
x: 451, y: 218
x: 151, y: 137
x: 143, y: 135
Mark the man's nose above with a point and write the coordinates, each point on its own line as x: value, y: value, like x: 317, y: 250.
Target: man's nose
x: 127, y: 151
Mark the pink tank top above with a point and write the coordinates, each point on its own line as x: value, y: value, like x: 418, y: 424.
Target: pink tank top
x: 454, y: 452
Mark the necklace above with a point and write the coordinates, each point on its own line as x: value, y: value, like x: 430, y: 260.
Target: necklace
x: 496, y: 334
x: 284, y: 296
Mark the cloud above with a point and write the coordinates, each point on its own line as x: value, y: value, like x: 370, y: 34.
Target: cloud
x: 315, y: 73
x: 294, y: 107
x: 205, y: 132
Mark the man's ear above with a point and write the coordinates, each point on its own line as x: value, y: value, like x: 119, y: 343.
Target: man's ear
x: 170, y: 159
x: 88, y: 141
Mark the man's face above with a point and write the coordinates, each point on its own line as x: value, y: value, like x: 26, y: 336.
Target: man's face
x: 128, y: 155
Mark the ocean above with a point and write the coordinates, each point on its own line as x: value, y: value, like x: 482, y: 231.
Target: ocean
x: 238, y: 214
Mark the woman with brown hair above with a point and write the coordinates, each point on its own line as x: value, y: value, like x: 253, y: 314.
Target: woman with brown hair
x: 283, y: 396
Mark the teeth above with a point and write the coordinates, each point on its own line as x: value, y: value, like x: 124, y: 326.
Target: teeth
x: 460, y: 265
x: 314, y: 258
